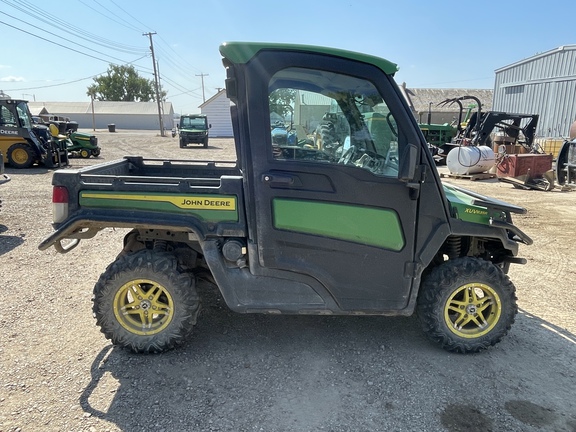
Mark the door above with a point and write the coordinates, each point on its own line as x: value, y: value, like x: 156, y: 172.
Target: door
x: 326, y: 142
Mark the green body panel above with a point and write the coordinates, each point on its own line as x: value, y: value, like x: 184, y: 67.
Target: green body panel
x: 209, y: 208
x: 80, y: 137
x: 462, y: 207
x: 438, y: 134
x: 359, y: 224
x: 242, y: 52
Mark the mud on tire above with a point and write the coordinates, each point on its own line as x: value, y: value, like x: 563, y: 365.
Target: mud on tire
x: 144, y: 303
x: 467, y: 305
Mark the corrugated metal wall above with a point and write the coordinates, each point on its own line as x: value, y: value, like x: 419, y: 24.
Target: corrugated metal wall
x: 544, y: 84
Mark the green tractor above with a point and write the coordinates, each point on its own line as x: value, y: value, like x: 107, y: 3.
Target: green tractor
x: 77, y: 143
x: 83, y: 145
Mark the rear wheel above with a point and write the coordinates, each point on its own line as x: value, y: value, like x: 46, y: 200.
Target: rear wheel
x: 85, y: 153
x: 144, y: 303
x: 467, y: 305
x: 20, y: 156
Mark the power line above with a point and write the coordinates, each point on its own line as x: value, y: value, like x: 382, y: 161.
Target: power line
x: 66, y: 83
x: 55, y: 22
x: 63, y: 46
x: 108, y: 16
x: 53, y: 85
x: 131, y: 16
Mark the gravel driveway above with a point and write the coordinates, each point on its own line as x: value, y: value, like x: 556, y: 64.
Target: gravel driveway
x: 273, y: 373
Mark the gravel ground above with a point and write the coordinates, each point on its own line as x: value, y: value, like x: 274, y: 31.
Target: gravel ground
x: 273, y: 373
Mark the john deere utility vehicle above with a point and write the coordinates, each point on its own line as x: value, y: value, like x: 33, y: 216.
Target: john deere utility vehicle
x: 361, y: 227
x: 193, y: 128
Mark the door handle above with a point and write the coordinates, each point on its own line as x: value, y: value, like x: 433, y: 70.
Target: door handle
x: 282, y: 179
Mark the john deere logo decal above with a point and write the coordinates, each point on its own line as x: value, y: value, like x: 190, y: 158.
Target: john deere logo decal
x: 181, y: 201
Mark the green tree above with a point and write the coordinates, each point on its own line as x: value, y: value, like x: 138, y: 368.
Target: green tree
x: 122, y: 83
x: 282, y: 101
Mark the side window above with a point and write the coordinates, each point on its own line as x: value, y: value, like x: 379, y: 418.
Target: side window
x: 6, y: 117
x: 324, y: 117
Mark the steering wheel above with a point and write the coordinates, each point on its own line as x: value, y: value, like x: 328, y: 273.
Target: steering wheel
x: 347, y: 155
x: 392, y: 125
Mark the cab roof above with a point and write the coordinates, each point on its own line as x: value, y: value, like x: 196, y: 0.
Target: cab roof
x: 242, y: 52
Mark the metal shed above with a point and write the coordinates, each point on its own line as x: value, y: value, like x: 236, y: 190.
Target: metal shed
x: 543, y: 84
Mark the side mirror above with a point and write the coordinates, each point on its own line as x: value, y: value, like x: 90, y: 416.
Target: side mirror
x: 210, y: 125
x: 408, y: 163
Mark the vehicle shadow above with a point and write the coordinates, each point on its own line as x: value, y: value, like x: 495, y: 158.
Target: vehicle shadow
x: 200, y: 147
x: 8, y: 243
x: 35, y: 170
x: 284, y: 373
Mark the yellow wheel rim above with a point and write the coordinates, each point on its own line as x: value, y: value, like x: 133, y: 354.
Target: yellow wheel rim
x: 20, y: 156
x: 472, y: 310
x: 143, y: 307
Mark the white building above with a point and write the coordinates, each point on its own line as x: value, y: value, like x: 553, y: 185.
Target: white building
x: 124, y: 115
x: 217, y: 109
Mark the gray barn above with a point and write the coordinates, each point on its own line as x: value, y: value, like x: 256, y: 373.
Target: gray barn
x: 543, y: 84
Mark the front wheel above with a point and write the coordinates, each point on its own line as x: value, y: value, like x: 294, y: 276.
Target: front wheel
x: 20, y: 156
x: 467, y: 305
x: 144, y: 303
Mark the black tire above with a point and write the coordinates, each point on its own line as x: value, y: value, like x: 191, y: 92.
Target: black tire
x: 182, y: 143
x: 167, y: 289
x: 329, y: 138
x: 206, y: 143
x: 20, y: 156
x: 85, y: 153
x: 467, y: 305
x: 96, y: 152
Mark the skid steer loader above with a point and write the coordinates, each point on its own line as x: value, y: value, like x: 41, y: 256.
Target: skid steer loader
x: 24, y: 143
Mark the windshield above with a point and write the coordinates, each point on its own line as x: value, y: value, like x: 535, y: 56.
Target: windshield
x: 24, y: 115
x: 193, y: 122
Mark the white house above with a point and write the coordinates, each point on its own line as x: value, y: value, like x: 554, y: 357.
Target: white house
x: 217, y: 109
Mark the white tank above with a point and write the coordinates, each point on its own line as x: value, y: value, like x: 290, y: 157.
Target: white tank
x: 470, y: 160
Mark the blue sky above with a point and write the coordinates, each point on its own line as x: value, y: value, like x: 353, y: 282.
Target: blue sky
x: 51, y: 50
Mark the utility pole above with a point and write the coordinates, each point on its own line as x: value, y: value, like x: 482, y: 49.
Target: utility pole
x: 160, y: 89
x: 202, y: 76
x: 156, y: 83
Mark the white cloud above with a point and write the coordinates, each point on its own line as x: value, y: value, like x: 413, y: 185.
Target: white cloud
x: 12, y: 79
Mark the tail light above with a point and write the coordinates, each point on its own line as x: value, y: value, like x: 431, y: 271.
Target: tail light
x: 59, y: 204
